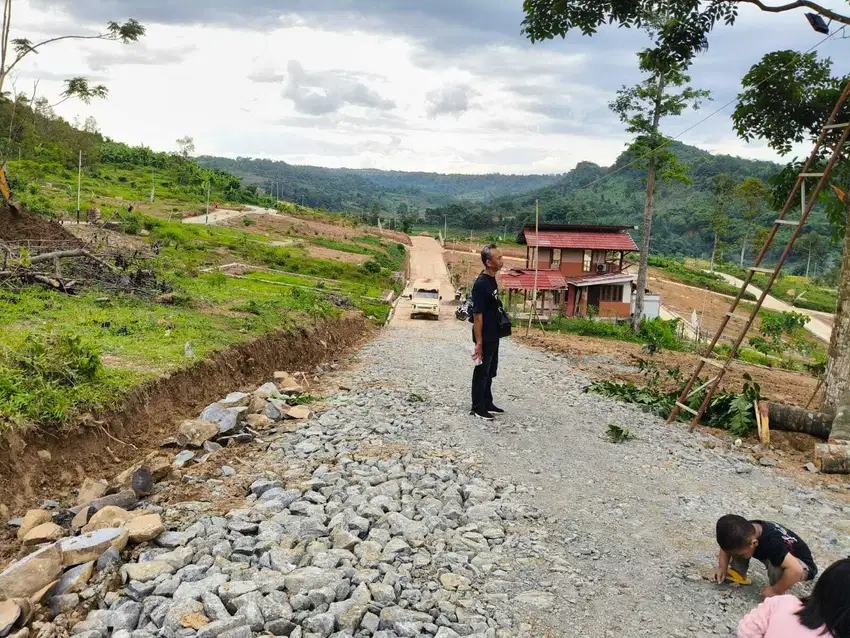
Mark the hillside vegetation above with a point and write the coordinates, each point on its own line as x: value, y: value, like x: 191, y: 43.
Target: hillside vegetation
x: 86, y: 350
x: 344, y: 189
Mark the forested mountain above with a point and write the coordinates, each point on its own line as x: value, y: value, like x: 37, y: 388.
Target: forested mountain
x: 364, y: 189
x: 615, y: 195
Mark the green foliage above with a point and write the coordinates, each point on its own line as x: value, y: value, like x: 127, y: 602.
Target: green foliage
x: 372, y: 267
x: 51, y: 377
x: 777, y: 324
x: 619, y: 434
x: 659, y: 334
x: 727, y: 410
x: 300, y: 399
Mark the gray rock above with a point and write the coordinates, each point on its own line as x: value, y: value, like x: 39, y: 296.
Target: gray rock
x: 275, y: 607
x: 90, y: 626
x: 811, y: 467
x: 321, y: 624
x: 392, y: 616
x: 239, y: 632
x: 766, y: 462
x: 227, y: 593
x: 308, y: 579
x: 228, y: 420
x: 281, y: 627
x: 174, y: 539
x: 214, y: 608
x: 252, y: 615
x: 110, y: 557
x: 197, y: 589
x: 183, y: 458
x: 226, y: 470
x: 220, y: 627
x: 178, y: 610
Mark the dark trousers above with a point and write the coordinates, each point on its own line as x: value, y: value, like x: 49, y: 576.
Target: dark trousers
x: 482, y: 377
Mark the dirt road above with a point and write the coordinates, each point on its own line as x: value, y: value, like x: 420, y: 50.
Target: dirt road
x: 816, y: 326
x: 426, y: 262
x: 224, y: 214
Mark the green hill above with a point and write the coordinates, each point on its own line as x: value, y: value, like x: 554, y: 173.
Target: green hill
x: 361, y: 189
x: 615, y: 195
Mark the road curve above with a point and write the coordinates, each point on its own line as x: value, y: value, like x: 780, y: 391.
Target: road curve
x: 816, y: 326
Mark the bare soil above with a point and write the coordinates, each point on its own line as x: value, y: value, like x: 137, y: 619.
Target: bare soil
x: 610, y: 359
x: 320, y: 252
x: 108, y: 443
x: 710, y: 306
x: 516, y: 252
x: 468, y: 265
x: 18, y: 226
x: 288, y: 225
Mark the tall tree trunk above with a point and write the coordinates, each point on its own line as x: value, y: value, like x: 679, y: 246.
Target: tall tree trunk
x: 644, y: 251
x: 744, y: 247
x: 648, y: 208
x: 838, y: 363
x: 808, y: 263
x: 714, y: 250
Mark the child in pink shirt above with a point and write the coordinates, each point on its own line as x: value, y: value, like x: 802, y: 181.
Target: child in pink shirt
x: 825, y: 614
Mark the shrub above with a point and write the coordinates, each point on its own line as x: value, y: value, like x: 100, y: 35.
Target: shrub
x: 372, y: 267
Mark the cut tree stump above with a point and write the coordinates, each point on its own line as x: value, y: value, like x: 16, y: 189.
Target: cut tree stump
x: 833, y: 458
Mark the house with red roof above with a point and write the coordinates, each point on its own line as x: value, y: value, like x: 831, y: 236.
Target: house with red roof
x: 583, y: 266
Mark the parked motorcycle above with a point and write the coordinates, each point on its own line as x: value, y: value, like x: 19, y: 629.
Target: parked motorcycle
x: 463, y: 311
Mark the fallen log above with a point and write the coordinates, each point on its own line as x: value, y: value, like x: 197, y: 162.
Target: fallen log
x: 78, y: 252
x: 790, y: 418
x: 833, y: 458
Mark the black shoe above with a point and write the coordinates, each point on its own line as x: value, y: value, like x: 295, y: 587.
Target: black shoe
x: 483, y: 415
x: 495, y: 410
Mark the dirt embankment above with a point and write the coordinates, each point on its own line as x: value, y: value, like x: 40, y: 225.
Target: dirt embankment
x: 148, y: 415
x: 23, y: 226
x: 281, y: 224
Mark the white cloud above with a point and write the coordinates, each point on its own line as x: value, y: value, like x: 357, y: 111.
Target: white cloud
x: 447, y: 85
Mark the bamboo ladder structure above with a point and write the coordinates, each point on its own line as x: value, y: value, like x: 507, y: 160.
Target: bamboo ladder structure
x: 806, y: 207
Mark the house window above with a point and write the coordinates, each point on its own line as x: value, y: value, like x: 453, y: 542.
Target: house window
x: 556, y: 258
x: 585, y: 264
x: 612, y: 293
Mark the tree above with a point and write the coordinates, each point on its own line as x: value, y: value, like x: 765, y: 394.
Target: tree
x: 665, y: 93
x: 91, y: 126
x: 402, y: 210
x: 723, y: 189
x: 815, y: 246
x: 753, y: 195
x: 13, y: 52
x: 685, y: 33
x: 787, y: 98
x: 186, y: 147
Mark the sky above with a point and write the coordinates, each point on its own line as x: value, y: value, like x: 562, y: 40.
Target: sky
x: 436, y: 85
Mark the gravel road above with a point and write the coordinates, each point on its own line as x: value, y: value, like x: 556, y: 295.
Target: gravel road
x: 627, y: 529
x: 392, y: 513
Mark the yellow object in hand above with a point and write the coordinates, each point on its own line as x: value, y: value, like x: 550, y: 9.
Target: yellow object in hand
x: 735, y: 577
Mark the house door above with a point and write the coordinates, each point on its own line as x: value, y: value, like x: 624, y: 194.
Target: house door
x: 593, y: 297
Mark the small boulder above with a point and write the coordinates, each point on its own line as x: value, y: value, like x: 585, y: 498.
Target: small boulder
x: 33, y: 519
x: 195, y: 432
x: 88, y: 547
x: 143, y: 572
x: 81, y: 518
x: 108, y: 517
x: 182, y: 459
x: 124, y: 499
x: 46, y: 533
x: 299, y: 412
x: 258, y: 421
x: 287, y: 384
x: 91, y: 490
x: 266, y: 391
x: 10, y: 612
x: 142, y: 482
x: 144, y: 528
x: 25, y: 577
x: 228, y: 420
x: 75, y: 579
x: 45, y: 456
x: 235, y: 400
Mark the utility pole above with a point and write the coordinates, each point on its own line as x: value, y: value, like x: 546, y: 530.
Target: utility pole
x: 207, y: 218
x: 533, y: 312
x: 79, y: 184
x: 445, y: 231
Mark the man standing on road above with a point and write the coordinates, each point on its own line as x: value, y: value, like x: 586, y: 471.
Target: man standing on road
x: 485, y: 333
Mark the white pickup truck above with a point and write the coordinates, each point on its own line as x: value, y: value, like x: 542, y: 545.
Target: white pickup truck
x: 425, y: 299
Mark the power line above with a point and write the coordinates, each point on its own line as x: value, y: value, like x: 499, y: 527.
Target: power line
x: 702, y: 121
